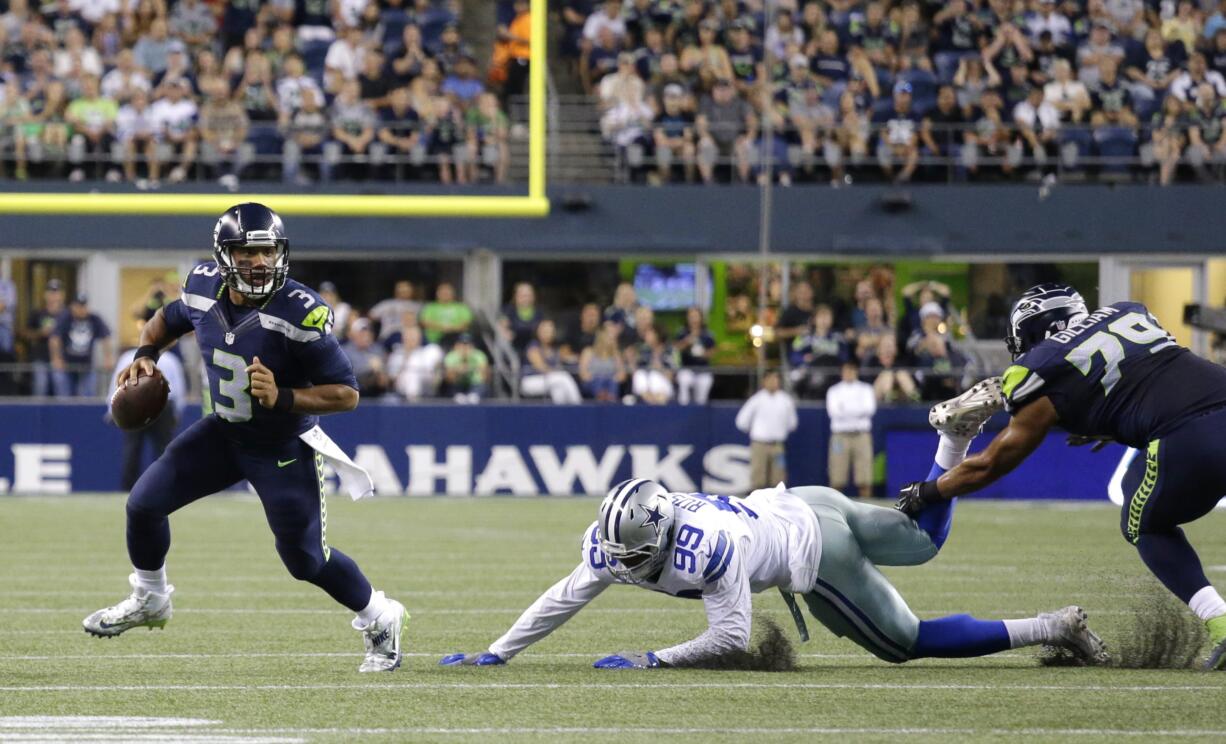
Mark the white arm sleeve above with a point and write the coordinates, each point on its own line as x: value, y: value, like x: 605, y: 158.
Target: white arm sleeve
x: 744, y: 417
x: 729, y: 606
x: 550, y: 610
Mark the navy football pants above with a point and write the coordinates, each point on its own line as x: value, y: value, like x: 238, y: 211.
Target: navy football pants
x: 1179, y: 480
x: 287, y: 477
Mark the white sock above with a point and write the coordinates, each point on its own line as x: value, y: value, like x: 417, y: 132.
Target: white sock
x: 1029, y: 632
x: 951, y: 452
x: 1207, y: 604
x: 373, y: 609
x: 152, y: 581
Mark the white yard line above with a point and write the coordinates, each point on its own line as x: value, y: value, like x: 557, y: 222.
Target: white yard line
x: 415, y: 685
x: 412, y: 655
x: 691, y: 609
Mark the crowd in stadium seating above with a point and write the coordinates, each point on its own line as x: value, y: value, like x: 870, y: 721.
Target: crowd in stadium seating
x: 964, y: 89
x: 415, y: 349
x: 152, y: 90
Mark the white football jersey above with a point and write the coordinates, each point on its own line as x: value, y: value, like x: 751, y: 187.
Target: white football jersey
x: 724, y: 549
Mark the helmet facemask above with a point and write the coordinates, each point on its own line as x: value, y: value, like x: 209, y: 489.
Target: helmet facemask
x: 256, y: 282
x: 635, y: 529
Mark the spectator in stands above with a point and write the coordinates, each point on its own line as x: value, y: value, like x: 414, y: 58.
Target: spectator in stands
x: 136, y: 129
x: 153, y: 48
x: 673, y: 137
x: 654, y: 368
x: 707, y: 60
x: 851, y: 404
x: 462, y: 85
x: 353, y: 129
x: 125, y: 79
x: 1184, y: 27
x: 409, y: 57
x: 445, y: 137
x: 934, y: 354
x: 875, y: 328
x: 450, y: 48
x: 344, y: 60
x: 517, y: 38
x: 175, y: 119
x: 1206, y: 143
x: 223, y: 129
x: 15, y: 123
x: 446, y: 318
x: 1051, y: 20
x: 694, y: 344
x: 488, y: 131
x: 625, y: 305
x: 725, y: 125
x: 601, y: 369
x: 794, y: 320
x: 40, y: 326
x: 1100, y: 46
x: 768, y: 417
x: 374, y: 84
x: 608, y: 16
x: 623, y: 85
x: 399, y: 127
x: 466, y: 370
x: 892, y: 385
x: 1038, y: 127
x: 193, y: 22
x: 414, y: 367
x: 1153, y: 72
x: 368, y: 358
x: 810, y: 120
x: 306, y: 134
x: 814, y: 355
x: 899, y: 138
x: 518, y: 321
x: 1167, y: 127
x: 389, y: 313
x: 942, y: 130
x: 582, y: 335
x: 543, y: 371
x: 1188, y: 83
x: 1216, y: 56
x: 92, y: 118
x: 79, y: 334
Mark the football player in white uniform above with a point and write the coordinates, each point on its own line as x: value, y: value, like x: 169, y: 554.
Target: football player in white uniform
x: 811, y: 541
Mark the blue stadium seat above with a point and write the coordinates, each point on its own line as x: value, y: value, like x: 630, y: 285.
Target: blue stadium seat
x: 1116, y: 142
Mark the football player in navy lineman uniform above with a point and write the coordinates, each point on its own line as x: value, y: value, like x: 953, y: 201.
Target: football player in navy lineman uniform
x: 273, y: 367
x: 1113, y: 374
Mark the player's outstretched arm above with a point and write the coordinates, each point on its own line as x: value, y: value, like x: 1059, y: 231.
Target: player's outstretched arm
x: 1010, y: 447
x: 553, y: 608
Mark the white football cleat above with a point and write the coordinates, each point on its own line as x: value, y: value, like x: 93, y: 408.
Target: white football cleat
x: 142, y: 608
x: 1067, y: 629
x: 963, y: 417
x: 382, y: 638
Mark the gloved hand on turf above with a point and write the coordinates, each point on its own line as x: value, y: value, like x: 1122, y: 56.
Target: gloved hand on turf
x: 913, y: 497
x: 1077, y: 440
x: 629, y: 660
x: 484, y: 658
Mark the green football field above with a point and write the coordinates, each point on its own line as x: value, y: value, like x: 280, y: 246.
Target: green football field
x: 252, y: 655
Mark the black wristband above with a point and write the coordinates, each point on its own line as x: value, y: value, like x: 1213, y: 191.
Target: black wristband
x: 285, y: 400
x: 929, y: 493
x: 148, y: 351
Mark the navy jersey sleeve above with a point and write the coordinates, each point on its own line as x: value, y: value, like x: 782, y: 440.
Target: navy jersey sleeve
x: 325, y: 363
x: 178, y: 322
x: 1032, y: 377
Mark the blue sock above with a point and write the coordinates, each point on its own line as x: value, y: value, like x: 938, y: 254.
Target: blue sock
x: 937, y: 519
x: 960, y: 636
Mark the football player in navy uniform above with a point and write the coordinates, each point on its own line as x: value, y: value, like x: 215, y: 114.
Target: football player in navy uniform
x: 1109, y: 374
x: 273, y: 367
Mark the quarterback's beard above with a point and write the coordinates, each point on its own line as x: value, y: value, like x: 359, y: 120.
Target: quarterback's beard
x: 773, y: 653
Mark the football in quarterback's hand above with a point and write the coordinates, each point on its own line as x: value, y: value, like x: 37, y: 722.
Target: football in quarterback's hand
x: 139, y: 401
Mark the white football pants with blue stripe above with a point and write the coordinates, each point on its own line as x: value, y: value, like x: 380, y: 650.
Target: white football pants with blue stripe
x: 852, y: 598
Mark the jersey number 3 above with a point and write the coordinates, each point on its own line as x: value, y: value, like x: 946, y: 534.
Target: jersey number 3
x: 234, y: 389
x: 1134, y: 328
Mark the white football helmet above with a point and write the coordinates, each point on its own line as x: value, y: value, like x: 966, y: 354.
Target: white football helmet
x: 635, y: 526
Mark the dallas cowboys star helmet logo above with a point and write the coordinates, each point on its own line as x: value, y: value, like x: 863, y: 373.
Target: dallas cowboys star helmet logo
x: 655, y: 518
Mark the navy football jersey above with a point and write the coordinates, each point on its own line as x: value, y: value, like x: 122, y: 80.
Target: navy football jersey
x: 1117, y: 374
x: 290, y: 333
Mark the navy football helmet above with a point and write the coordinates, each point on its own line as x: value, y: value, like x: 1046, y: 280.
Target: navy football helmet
x: 251, y: 225
x: 1042, y: 310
